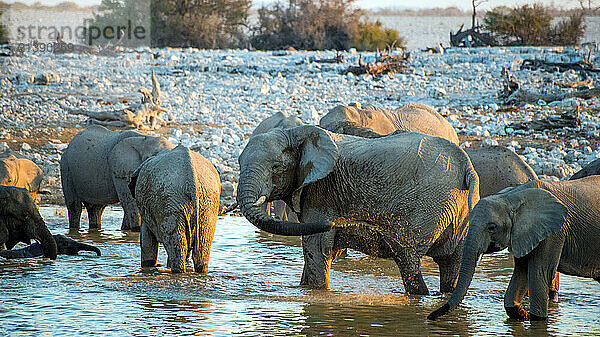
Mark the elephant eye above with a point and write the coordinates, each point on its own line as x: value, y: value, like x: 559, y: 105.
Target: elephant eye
x: 492, y: 226
x: 276, y: 165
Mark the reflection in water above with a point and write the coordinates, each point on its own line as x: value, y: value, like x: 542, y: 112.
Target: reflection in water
x: 251, y: 289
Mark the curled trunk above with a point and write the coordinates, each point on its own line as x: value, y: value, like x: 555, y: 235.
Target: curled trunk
x: 471, y: 254
x: 259, y: 217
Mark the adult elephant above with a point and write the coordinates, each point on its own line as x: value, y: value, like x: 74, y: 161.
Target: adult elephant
x: 592, y: 168
x: 372, y: 122
x: 499, y: 167
x: 95, y: 170
x: 401, y: 196
x: 279, y: 120
x: 549, y: 226
x: 64, y: 245
x: 177, y: 193
x: 20, y: 221
x: 20, y: 172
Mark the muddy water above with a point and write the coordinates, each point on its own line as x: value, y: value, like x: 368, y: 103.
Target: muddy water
x: 251, y: 290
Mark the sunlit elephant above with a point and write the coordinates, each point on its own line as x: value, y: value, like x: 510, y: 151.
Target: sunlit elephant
x: 401, y: 196
x: 279, y: 120
x: 592, y: 168
x: 20, y: 172
x: 20, y: 221
x: 372, y: 122
x: 177, y: 193
x: 95, y: 170
x: 65, y: 246
x: 549, y: 227
x: 498, y: 167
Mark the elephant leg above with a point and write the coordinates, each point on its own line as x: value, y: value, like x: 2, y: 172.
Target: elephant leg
x: 131, y: 217
x: 409, y: 263
x: 449, y: 267
x: 176, y: 244
x: 95, y: 215
x: 542, y: 267
x: 553, y: 294
x: 517, y: 289
x: 206, y: 232
x: 74, y: 205
x: 318, y: 256
x: 149, y: 247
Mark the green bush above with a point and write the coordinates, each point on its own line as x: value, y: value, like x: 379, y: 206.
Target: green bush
x: 371, y: 36
x: 532, y: 26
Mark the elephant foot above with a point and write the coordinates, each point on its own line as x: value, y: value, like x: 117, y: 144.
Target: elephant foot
x: 533, y: 317
x: 149, y: 264
x: 416, y: 285
x: 517, y: 312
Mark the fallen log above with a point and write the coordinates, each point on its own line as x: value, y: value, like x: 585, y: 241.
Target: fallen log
x: 145, y: 115
x: 523, y: 96
x: 569, y: 119
x: 558, y: 66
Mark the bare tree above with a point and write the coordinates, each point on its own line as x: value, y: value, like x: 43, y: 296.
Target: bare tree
x: 475, y: 4
x: 590, y: 6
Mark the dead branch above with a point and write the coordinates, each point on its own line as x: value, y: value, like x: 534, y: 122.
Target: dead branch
x: 523, y: 96
x: 569, y: 119
x: 145, y: 115
x: 557, y: 66
x: 384, y: 64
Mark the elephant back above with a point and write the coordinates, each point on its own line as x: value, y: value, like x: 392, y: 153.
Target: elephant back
x: 418, y: 117
x: 499, y: 167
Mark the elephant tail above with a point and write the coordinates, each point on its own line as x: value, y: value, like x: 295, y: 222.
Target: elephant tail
x: 134, y: 177
x: 472, y: 181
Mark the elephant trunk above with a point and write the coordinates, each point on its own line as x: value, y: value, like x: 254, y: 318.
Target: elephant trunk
x: 471, y: 253
x: 46, y: 240
x: 253, y: 206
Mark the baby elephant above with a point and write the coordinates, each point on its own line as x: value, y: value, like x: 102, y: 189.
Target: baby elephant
x: 65, y: 246
x: 177, y: 193
x: 549, y: 226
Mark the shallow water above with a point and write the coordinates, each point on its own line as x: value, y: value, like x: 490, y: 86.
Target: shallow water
x: 251, y: 290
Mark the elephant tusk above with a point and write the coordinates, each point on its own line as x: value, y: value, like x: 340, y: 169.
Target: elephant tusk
x: 260, y: 201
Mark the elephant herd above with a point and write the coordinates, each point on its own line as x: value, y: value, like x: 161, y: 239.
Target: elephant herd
x: 392, y: 184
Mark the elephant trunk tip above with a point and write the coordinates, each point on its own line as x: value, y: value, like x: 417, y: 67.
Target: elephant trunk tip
x: 98, y: 253
x: 443, y: 310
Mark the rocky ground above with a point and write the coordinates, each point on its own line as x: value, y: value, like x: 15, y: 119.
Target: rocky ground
x: 216, y: 98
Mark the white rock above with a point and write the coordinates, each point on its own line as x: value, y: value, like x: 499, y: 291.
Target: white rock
x: 4, y: 147
x: 25, y: 147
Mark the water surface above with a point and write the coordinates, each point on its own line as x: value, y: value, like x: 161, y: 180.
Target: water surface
x: 251, y: 290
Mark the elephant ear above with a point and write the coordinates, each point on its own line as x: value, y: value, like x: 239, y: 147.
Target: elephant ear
x: 537, y: 215
x: 125, y: 157
x: 317, y: 153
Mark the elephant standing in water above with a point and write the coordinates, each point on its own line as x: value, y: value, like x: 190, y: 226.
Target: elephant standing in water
x: 95, y: 170
x: 177, y: 193
x: 20, y: 172
x: 64, y: 245
x: 401, y: 196
x: 372, y: 122
x: 279, y: 120
x: 20, y: 221
x: 549, y: 226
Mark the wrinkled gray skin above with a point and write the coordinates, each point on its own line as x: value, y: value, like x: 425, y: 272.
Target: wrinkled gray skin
x: 177, y: 193
x: 401, y: 196
x: 592, y: 168
x: 20, y: 221
x: 20, y: 172
x: 279, y: 120
x: 549, y: 226
x: 498, y: 167
x: 65, y: 246
x: 372, y: 122
x: 95, y: 170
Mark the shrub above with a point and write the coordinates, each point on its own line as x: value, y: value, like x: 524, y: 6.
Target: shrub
x: 307, y: 24
x: 531, y: 25
x: 371, y: 36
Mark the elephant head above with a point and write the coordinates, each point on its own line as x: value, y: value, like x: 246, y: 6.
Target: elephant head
x: 518, y: 218
x: 277, y: 165
x: 20, y: 221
